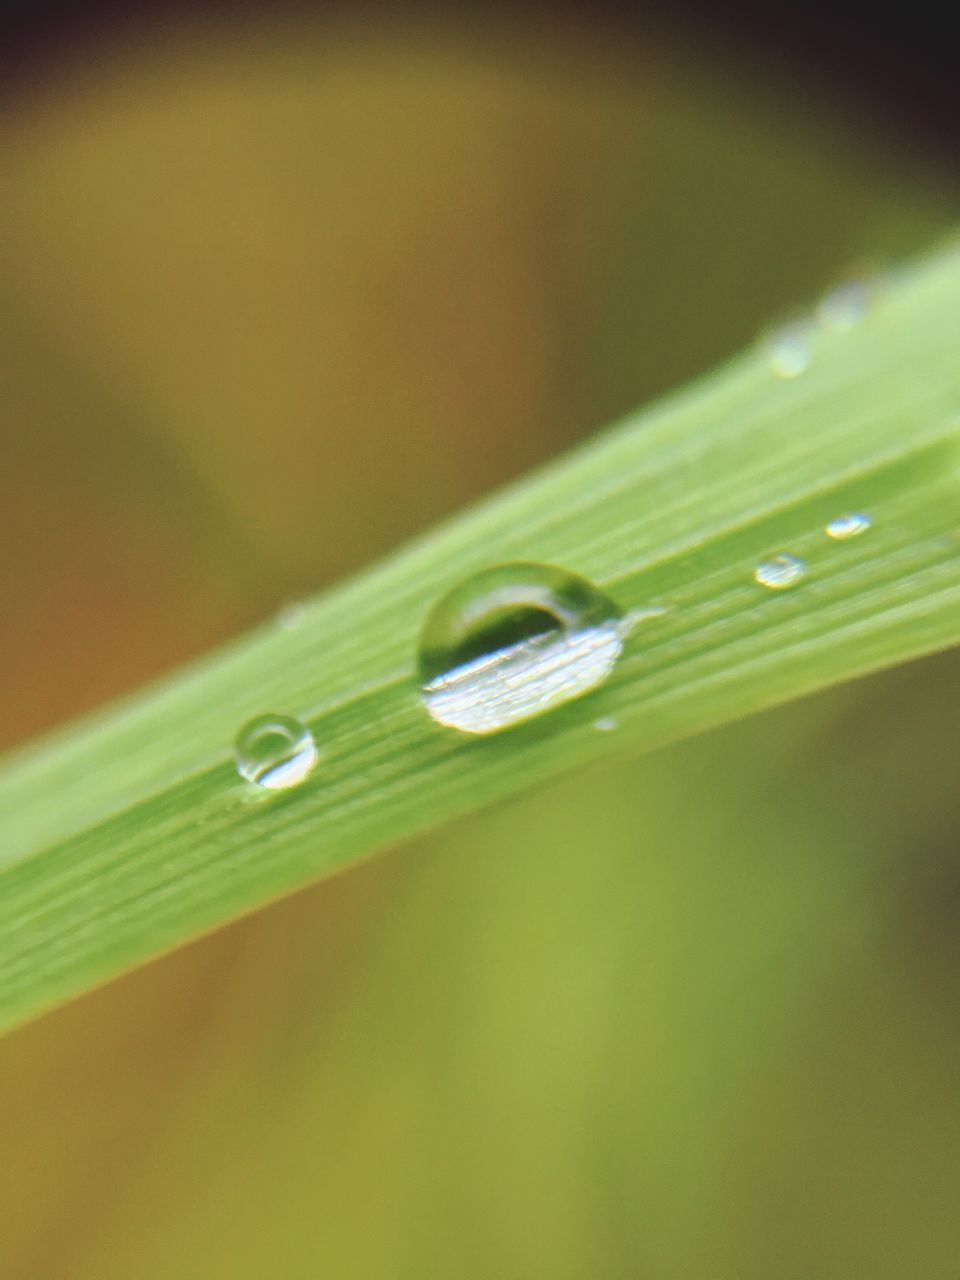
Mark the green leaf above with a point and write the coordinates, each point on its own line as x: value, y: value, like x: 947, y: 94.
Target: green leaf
x: 132, y: 834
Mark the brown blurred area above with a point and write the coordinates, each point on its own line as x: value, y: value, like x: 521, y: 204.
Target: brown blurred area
x: 276, y: 295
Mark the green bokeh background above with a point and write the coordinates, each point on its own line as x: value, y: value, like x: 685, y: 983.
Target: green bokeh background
x: 274, y: 299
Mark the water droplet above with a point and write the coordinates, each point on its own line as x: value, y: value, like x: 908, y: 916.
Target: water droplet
x: 275, y: 752
x: 850, y: 525
x: 846, y: 305
x: 787, y: 350
x: 779, y: 572
x: 514, y: 641
x: 606, y: 724
x: 290, y: 615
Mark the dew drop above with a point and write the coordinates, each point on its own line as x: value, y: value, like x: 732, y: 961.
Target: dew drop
x: 275, y: 752
x: 290, y: 615
x: 606, y: 724
x: 843, y: 307
x: 850, y: 525
x: 514, y: 641
x: 779, y: 572
x: 787, y: 350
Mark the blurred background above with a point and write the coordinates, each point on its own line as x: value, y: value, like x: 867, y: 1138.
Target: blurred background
x: 278, y: 289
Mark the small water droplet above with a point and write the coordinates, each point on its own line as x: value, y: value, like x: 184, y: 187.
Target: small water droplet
x: 788, y: 350
x: 275, y: 752
x: 779, y: 572
x: 846, y: 305
x: 850, y: 525
x: 514, y: 641
x: 606, y: 724
x: 290, y: 615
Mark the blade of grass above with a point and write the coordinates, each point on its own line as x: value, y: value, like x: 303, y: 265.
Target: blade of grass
x: 132, y: 834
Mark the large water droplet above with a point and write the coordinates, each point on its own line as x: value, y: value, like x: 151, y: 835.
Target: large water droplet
x: 779, y: 572
x: 850, y: 525
x: 275, y: 752
x: 788, y: 350
x: 514, y: 641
